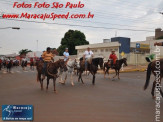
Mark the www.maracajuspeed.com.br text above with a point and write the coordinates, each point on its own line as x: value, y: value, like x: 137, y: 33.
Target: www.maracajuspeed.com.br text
x: 52, y: 16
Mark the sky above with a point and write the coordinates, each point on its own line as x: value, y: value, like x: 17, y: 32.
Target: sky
x: 135, y: 19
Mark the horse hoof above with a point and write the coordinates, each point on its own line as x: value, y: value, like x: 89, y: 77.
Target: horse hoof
x: 72, y: 84
x: 63, y: 83
x: 55, y: 91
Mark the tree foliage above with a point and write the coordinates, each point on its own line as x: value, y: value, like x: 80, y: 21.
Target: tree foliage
x: 70, y: 40
x: 161, y: 37
x: 24, y: 51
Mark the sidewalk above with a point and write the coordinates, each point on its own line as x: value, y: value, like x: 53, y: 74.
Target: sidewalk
x: 130, y: 68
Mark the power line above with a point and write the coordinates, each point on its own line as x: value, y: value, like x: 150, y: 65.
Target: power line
x: 86, y: 26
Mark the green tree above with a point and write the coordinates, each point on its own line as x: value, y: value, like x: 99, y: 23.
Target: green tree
x: 161, y: 37
x: 70, y: 40
x: 24, y: 51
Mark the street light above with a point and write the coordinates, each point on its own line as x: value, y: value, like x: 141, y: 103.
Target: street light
x: 161, y: 13
x: 15, y: 28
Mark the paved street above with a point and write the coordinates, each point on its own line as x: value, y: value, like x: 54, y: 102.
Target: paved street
x: 108, y: 101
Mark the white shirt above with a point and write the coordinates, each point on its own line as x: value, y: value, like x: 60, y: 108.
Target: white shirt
x: 88, y: 54
x: 66, y: 54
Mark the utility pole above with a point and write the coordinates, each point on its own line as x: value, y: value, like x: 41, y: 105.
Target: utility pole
x: 161, y: 13
x: 37, y: 44
x: 116, y: 33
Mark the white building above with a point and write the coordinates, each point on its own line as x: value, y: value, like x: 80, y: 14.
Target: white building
x: 99, y: 49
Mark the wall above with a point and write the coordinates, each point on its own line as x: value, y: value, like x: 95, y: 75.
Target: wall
x: 125, y: 44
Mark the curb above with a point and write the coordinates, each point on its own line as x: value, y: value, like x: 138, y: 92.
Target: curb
x: 129, y: 70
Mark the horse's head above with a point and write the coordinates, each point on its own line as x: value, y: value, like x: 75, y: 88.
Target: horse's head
x: 62, y: 64
x: 125, y: 61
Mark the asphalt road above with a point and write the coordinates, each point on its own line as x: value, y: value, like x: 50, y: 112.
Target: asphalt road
x: 108, y: 101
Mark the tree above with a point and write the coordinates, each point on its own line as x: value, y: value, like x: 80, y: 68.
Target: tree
x: 70, y: 40
x: 24, y: 51
x: 161, y: 37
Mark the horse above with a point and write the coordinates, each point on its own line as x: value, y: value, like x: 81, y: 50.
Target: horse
x: 96, y: 61
x: 32, y: 65
x: 156, y: 67
x: 9, y: 65
x: 71, y: 64
x: 90, y: 67
x: 51, y: 72
x: 117, y: 67
x: 24, y: 64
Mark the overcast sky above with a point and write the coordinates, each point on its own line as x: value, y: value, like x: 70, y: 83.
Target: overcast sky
x: 117, y: 14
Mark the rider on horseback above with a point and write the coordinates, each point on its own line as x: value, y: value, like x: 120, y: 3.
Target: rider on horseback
x: 88, y: 54
x: 47, y: 57
x: 113, y: 58
x: 66, y: 55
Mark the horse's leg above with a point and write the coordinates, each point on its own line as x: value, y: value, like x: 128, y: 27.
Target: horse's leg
x: 118, y: 75
x: 47, y: 84
x: 65, y: 77
x: 80, y: 77
x: 41, y: 82
x: 115, y: 74
x: 93, y: 80
x: 42, y: 79
x: 153, y: 88
x: 60, y: 77
x: 72, y: 83
x: 54, y: 84
x: 108, y: 72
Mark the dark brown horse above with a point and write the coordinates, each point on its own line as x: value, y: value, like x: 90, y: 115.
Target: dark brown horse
x: 90, y: 67
x: 51, y: 72
x: 117, y: 66
x: 156, y: 67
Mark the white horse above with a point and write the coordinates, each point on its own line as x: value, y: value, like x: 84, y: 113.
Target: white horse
x: 71, y: 64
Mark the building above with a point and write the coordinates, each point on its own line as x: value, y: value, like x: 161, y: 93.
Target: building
x: 99, y: 49
x: 158, y: 33
x: 135, y: 52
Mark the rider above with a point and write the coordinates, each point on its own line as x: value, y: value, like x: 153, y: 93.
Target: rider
x: 47, y: 57
x: 88, y: 54
x: 113, y: 58
x: 66, y: 55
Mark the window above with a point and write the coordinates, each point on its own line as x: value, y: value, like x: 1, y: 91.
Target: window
x: 106, y: 50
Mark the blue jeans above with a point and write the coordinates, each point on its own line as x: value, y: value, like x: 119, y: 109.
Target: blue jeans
x: 44, y: 67
x: 86, y: 63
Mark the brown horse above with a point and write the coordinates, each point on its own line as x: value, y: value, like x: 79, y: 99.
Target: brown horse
x: 156, y: 67
x: 51, y: 72
x: 117, y: 67
x: 91, y: 68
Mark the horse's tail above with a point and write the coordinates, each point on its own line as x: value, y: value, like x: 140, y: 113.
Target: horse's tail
x: 149, y: 70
